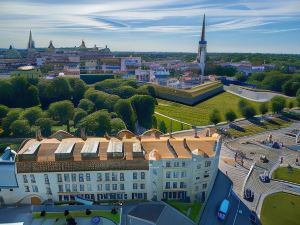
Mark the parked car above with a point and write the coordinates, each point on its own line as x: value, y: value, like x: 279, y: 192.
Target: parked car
x: 252, y: 218
x: 223, y: 209
x: 248, y: 195
x: 264, y: 159
x: 264, y: 177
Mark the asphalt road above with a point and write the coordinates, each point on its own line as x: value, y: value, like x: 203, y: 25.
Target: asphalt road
x: 11, y: 214
x: 238, y: 212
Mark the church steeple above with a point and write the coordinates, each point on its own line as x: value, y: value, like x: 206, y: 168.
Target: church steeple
x: 203, y: 29
x: 30, y: 42
x: 51, y: 46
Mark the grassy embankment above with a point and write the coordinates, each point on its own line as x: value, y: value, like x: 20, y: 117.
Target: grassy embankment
x: 280, y: 209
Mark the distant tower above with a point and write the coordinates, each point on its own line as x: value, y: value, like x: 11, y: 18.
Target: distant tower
x: 31, y: 44
x: 202, y: 52
x: 51, y: 46
x: 82, y: 45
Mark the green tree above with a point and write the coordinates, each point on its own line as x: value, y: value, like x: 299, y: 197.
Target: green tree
x: 230, y: 116
x: 11, y: 116
x: 116, y: 125
x: 144, y: 106
x: 264, y: 108
x: 248, y: 112
x: 125, y: 111
x: 126, y: 91
x: 78, y: 115
x: 32, y: 114
x: 97, y: 123
x: 278, y: 103
x: 298, y: 97
x: 163, y: 127
x: 215, y: 117
x: 78, y: 89
x: 87, y: 105
x: 3, y: 111
x: 62, y: 111
x: 20, y: 128
x: 6, y: 92
x: 45, y: 125
x: 154, y: 122
x: 110, y: 102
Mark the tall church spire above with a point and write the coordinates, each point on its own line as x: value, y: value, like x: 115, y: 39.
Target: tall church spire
x: 203, y: 29
x: 30, y: 42
x: 201, y: 56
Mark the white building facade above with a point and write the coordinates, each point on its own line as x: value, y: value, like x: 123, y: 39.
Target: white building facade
x: 145, y: 168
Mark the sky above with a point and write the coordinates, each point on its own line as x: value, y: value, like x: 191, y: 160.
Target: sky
x: 271, y: 26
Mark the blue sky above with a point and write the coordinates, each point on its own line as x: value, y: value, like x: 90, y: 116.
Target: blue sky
x: 154, y: 25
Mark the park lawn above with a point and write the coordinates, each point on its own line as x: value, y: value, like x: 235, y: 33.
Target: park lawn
x: 183, y: 207
x: 280, y: 209
x: 253, y: 128
x: 107, y: 214
x: 283, y: 173
x: 176, y: 126
x: 199, y: 114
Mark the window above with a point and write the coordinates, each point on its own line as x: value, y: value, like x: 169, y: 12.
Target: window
x: 107, y: 187
x: 89, y: 187
x: 204, y: 186
x: 73, y: 177
x: 134, y: 175
x: 46, y: 178
x: 35, y: 188
x: 176, y: 164
x: 183, y: 164
x: 88, y: 177
x: 135, y: 186
x: 143, y: 175
x: 27, y: 189
x: 206, y: 174
x: 207, y: 163
x: 59, y: 178
x: 99, y: 187
x: 32, y: 178
x: 81, y: 177
x: 168, y: 174
x: 197, y: 178
x: 67, y: 177
x: 168, y: 185
x: 74, y: 187
x: 174, y: 184
x: 199, y: 166
x: 99, y: 176
x: 68, y: 187
x: 115, y: 187
x: 183, y: 185
x: 25, y: 179
x: 122, y: 188
x: 122, y: 177
x: 114, y: 176
x: 175, y: 174
x: 183, y: 174
x: 60, y: 188
x: 48, y: 191
x: 106, y: 176
x: 81, y: 187
x: 168, y: 164
x: 142, y: 186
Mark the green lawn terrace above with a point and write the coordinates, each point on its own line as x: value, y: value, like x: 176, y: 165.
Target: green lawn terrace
x: 280, y: 209
x: 289, y: 174
x: 60, y: 218
x: 198, y: 115
x: 191, y: 210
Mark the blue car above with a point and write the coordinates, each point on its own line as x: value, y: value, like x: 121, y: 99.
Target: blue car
x: 223, y: 210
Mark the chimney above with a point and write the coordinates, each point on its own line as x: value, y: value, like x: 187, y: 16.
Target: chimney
x: 38, y: 134
x: 83, y: 134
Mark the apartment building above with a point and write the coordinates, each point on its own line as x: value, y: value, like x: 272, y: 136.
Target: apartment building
x: 126, y: 167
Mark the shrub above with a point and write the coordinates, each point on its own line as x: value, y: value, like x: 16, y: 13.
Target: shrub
x: 88, y: 212
x: 114, y: 211
x: 43, y: 213
x: 66, y: 212
x: 215, y: 117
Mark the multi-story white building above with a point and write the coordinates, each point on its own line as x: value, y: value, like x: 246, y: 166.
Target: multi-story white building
x: 150, y: 166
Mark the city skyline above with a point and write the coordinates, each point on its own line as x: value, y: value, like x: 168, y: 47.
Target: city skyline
x: 166, y: 25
